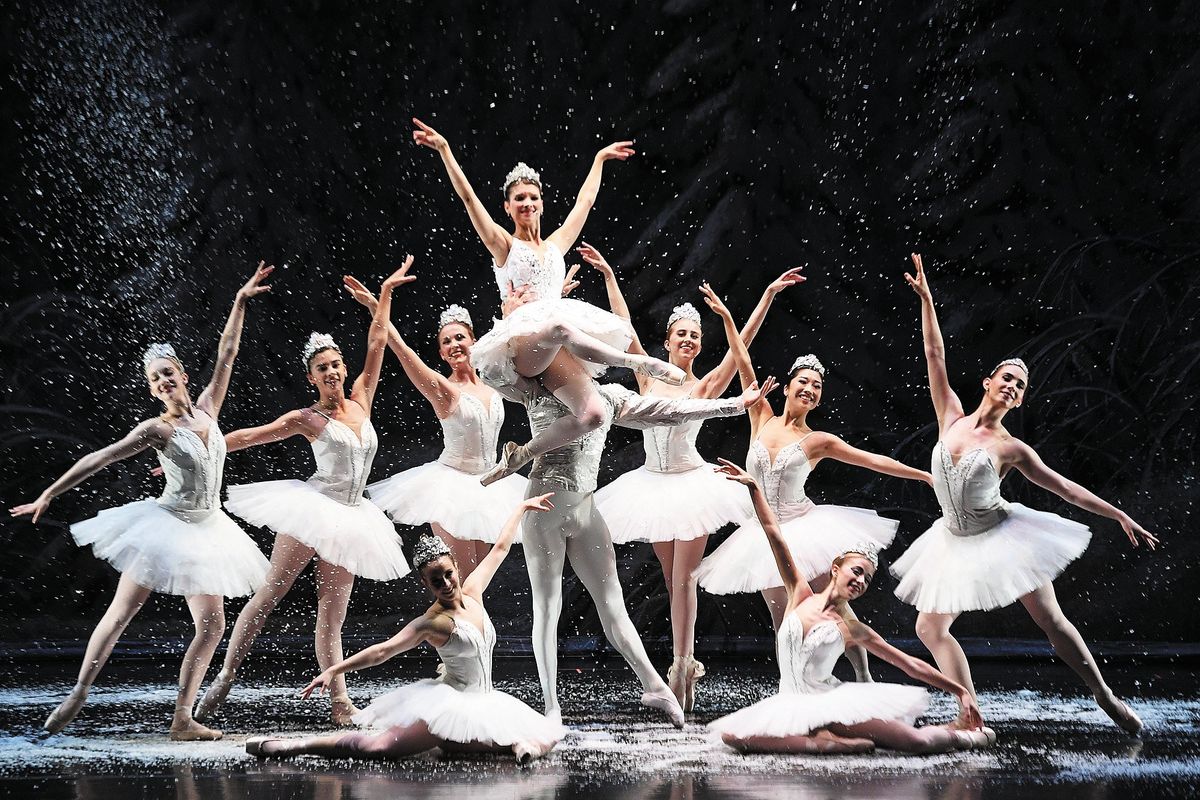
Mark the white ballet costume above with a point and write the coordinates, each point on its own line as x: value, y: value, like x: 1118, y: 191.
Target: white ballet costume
x: 810, y: 698
x: 492, y: 354
x: 328, y: 511
x: 461, y: 705
x: 447, y: 491
x: 675, y: 495
x: 182, y: 543
x: 816, y: 534
x: 984, y: 552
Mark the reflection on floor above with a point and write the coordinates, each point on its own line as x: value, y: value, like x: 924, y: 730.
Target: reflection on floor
x: 1054, y: 741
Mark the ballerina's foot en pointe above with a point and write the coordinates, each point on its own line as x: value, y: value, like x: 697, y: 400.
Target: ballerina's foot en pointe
x: 67, y: 710
x: 666, y: 703
x: 684, y: 673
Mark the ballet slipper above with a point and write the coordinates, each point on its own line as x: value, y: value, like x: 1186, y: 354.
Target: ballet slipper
x: 667, y: 704
x: 191, y: 731
x: 695, y: 671
x: 526, y: 752
x: 61, y: 717
x: 1120, y: 712
x: 512, y: 458
x: 257, y: 746
x: 977, y: 739
x: 218, y: 690
x: 342, y: 711
x: 677, y: 679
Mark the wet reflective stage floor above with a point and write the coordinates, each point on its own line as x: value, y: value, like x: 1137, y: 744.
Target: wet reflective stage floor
x: 1053, y: 743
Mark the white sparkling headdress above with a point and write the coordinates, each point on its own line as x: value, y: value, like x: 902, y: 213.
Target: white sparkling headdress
x: 684, y: 311
x: 867, y: 549
x: 316, y: 342
x: 455, y: 313
x: 159, y: 350
x: 1016, y: 362
x: 428, y: 548
x: 521, y: 173
x: 808, y: 362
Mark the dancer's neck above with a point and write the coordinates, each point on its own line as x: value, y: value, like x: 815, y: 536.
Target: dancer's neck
x: 176, y: 411
x: 990, y: 414
x: 331, y: 404
x: 796, y: 418
x: 531, y: 234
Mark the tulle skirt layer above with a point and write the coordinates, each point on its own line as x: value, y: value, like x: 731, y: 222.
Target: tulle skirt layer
x: 648, y: 506
x: 744, y: 562
x: 846, y: 704
x: 452, y: 498
x: 360, y: 538
x: 161, y: 551
x: 493, y: 353
x: 460, y: 716
x: 947, y: 574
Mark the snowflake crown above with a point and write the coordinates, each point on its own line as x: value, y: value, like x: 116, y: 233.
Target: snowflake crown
x: 315, y: 344
x: 428, y: 548
x: 808, y: 362
x: 867, y: 549
x: 159, y: 350
x: 455, y: 313
x: 521, y: 173
x: 683, y: 311
x: 1016, y: 362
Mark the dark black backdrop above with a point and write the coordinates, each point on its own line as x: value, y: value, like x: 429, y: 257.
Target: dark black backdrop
x: 1043, y: 158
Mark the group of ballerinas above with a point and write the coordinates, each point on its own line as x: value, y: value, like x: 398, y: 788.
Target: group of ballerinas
x: 808, y: 561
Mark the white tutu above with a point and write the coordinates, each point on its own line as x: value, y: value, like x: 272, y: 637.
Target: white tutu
x: 452, y: 498
x: 359, y: 538
x: 744, y: 562
x: 791, y: 714
x: 947, y: 574
x: 492, y: 354
x: 159, y: 550
x: 457, y: 716
x: 648, y: 506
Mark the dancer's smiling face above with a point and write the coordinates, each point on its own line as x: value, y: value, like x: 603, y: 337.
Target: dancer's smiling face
x: 327, y: 371
x: 1006, y: 386
x: 683, y: 341
x: 852, y: 575
x: 524, y: 204
x: 454, y: 343
x: 167, y: 380
x: 805, y: 388
x: 441, y: 578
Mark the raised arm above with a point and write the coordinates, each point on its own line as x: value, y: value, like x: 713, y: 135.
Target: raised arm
x: 151, y: 433
x: 494, y: 238
x: 433, y: 385
x: 363, y: 392
x: 564, y: 238
x: 1030, y: 464
x: 714, y: 383
x: 722, y: 375
x: 412, y: 635
x: 646, y: 411
x: 793, y: 581
x: 826, y: 445
x: 290, y: 424
x: 945, y: 402
x: 213, y: 396
x: 477, y: 583
x: 915, y: 668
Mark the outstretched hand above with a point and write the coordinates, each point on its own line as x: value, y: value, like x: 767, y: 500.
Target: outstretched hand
x: 790, y: 278
x: 539, y: 503
x: 254, y: 287
x: 360, y: 292
x: 617, y: 150
x: 320, y: 685
x: 570, y: 283
x: 592, y: 256
x: 714, y: 302
x: 1137, y: 533
x: 735, y: 473
x: 400, y: 276
x: 753, y: 393
x: 919, y: 284
x: 427, y: 136
x: 36, y: 508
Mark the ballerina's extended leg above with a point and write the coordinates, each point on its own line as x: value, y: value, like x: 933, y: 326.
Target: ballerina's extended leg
x: 208, y: 614
x: 334, y: 585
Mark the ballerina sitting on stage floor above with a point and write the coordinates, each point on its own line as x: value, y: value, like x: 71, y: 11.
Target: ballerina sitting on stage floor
x: 459, y: 710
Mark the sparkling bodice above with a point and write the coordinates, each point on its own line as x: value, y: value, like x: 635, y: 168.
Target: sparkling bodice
x: 193, y: 472
x: 470, y: 434
x: 806, y: 661
x: 673, y: 448
x: 783, y: 481
x: 574, y: 467
x: 544, y: 275
x: 467, y: 655
x: 343, y: 461
x: 968, y: 492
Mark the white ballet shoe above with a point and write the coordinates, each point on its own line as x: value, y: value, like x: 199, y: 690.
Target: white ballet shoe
x: 512, y: 458
x: 256, y: 746
x: 667, y: 704
x: 342, y: 711
x: 682, y: 677
x: 218, y: 690
x: 67, y: 710
x: 1120, y: 712
x: 977, y: 739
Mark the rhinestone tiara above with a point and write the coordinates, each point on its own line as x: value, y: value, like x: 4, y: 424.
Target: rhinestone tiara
x: 683, y: 311
x: 428, y: 548
x: 521, y: 173
x: 1016, y: 362
x: 808, y: 362
x: 159, y: 350
x: 317, y: 342
x: 455, y: 313
x: 867, y: 549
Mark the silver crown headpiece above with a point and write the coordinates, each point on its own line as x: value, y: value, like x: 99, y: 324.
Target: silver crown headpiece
x: 428, y: 548
x: 316, y: 342
x: 1016, y: 362
x: 455, y: 313
x: 867, y: 549
x: 159, y: 350
x: 808, y: 362
x: 684, y: 311
x: 521, y: 173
